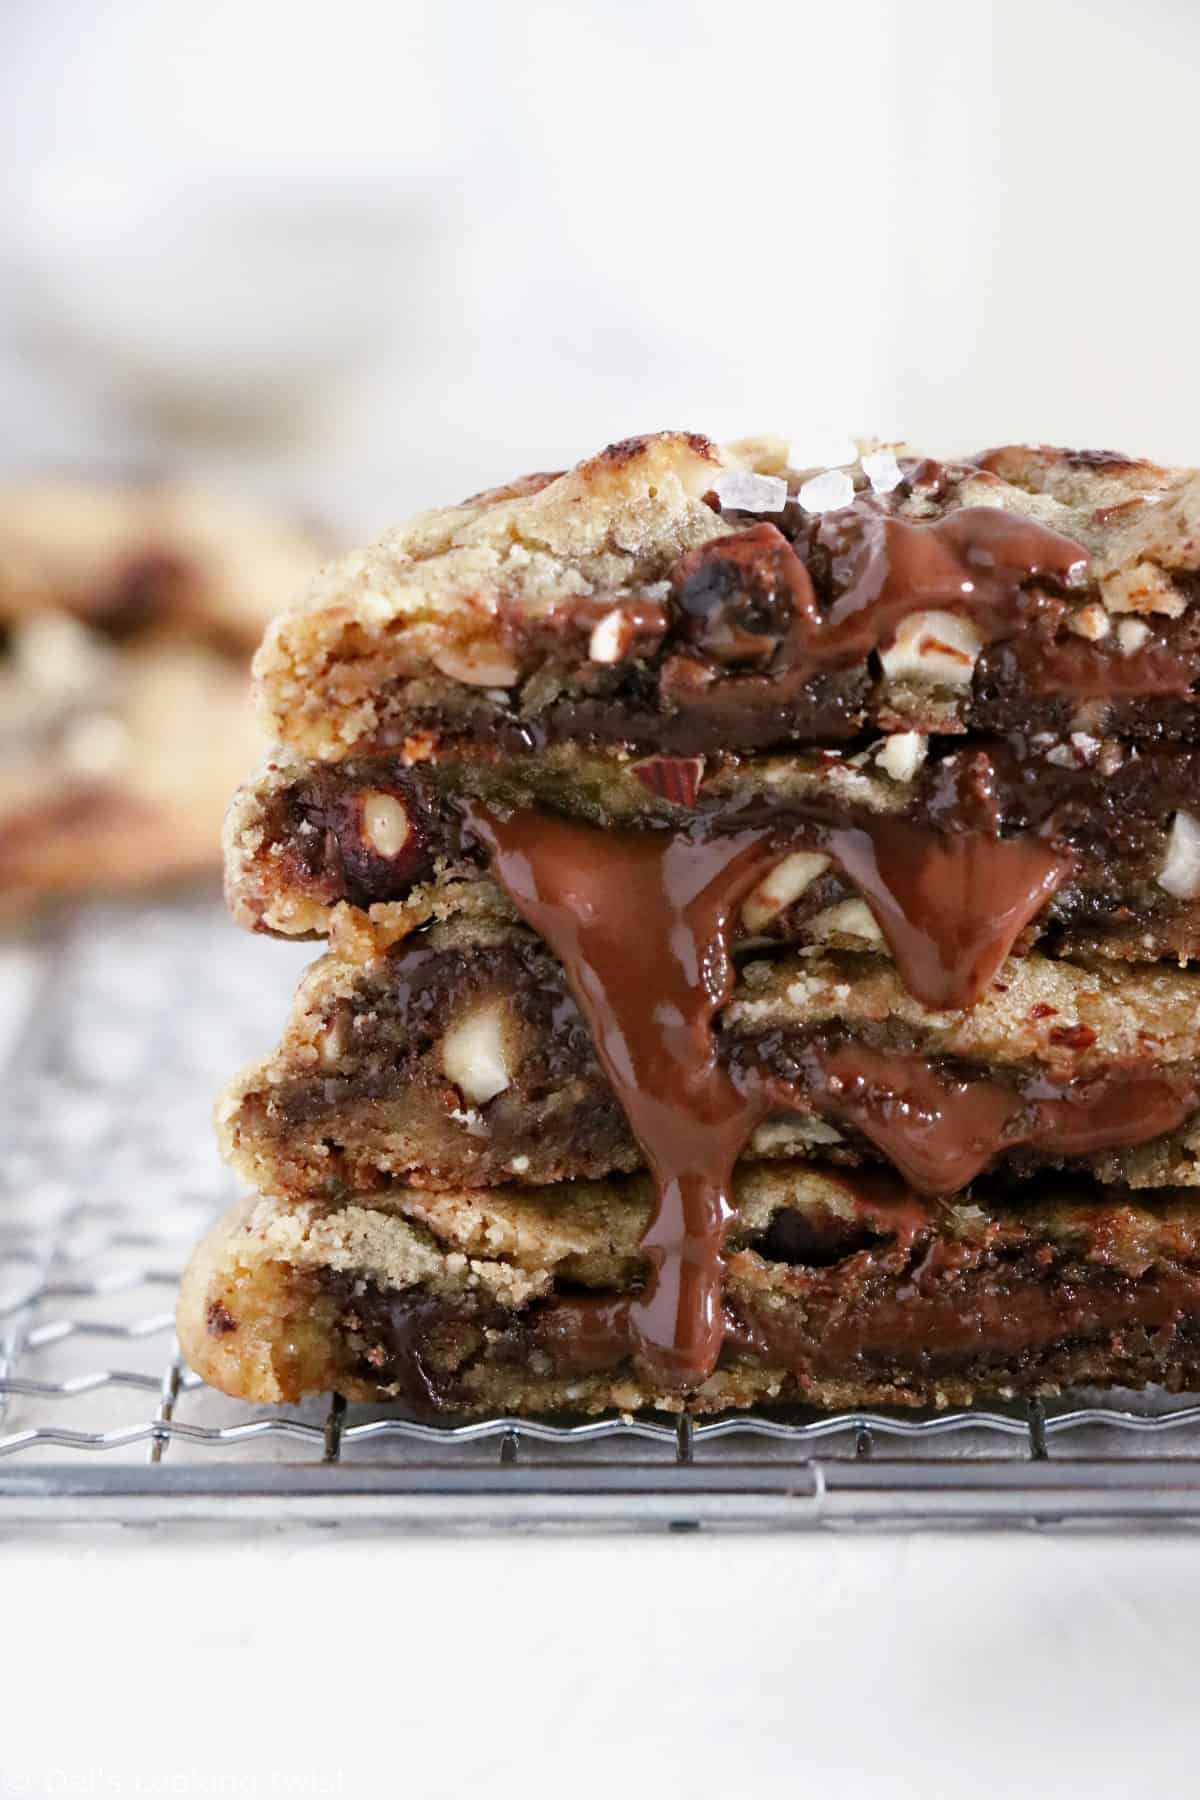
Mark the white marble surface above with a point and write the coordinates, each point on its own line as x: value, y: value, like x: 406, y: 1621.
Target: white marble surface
x: 1004, y: 1667
x: 18, y: 977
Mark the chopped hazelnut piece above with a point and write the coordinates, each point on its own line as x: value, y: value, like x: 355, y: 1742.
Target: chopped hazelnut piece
x: 1131, y: 635
x: 902, y: 754
x: 482, y: 666
x: 849, y: 918
x: 385, y: 823
x: 784, y: 884
x: 474, y: 1054
x: 933, y: 646
x: 1091, y: 622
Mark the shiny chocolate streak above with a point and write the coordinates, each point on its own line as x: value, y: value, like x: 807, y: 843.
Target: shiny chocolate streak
x: 592, y: 1334
x: 941, y: 1130
x: 918, y: 1327
x: 949, y: 894
x: 922, y: 1325
x: 639, y: 921
x: 749, y: 599
x: 950, y: 905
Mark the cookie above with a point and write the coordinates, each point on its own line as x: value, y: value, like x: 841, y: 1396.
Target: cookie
x: 461, y: 1057
x: 698, y: 813
x: 364, y: 845
x: 673, y: 598
x: 127, y: 618
x: 839, y: 1292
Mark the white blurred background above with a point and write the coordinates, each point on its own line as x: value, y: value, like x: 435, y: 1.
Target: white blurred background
x: 373, y: 255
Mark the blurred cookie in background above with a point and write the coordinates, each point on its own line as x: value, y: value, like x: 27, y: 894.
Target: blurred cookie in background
x: 128, y: 616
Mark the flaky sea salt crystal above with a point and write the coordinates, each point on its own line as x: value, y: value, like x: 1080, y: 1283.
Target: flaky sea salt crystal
x: 825, y: 493
x: 882, y: 471
x: 743, y: 491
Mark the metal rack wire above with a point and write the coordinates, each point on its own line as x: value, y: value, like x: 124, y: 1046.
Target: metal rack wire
x: 133, y: 1018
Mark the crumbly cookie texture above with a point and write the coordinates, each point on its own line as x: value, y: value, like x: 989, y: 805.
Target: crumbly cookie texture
x: 301, y: 840
x: 128, y: 615
x: 425, y: 600
x: 448, y: 1304
x: 498, y: 610
x: 462, y: 1059
x: 367, y: 850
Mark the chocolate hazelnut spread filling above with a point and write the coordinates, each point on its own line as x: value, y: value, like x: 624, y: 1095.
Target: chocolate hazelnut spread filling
x: 1091, y: 816
x: 773, y: 634
x: 888, y: 1292
x: 951, y: 906
x: 929, y: 1323
x: 776, y: 606
x: 749, y: 601
x: 640, y: 922
x: 941, y: 1130
x: 923, y: 1327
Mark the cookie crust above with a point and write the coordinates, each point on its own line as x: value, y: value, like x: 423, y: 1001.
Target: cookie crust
x: 454, y: 1307
x: 488, y: 621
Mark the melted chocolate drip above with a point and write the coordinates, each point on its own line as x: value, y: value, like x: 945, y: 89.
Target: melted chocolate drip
x: 950, y: 902
x: 639, y: 922
x: 941, y: 1130
x: 749, y: 602
x: 996, y: 565
x: 640, y: 919
x: 950, y: 908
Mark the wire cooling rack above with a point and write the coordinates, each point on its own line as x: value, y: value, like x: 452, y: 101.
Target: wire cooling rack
x: 121, y: 1023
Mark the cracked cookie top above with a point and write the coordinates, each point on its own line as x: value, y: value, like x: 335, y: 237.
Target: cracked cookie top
x: 666, y: 594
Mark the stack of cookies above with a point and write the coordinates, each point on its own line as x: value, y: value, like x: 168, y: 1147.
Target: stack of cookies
x: 759, y: 903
